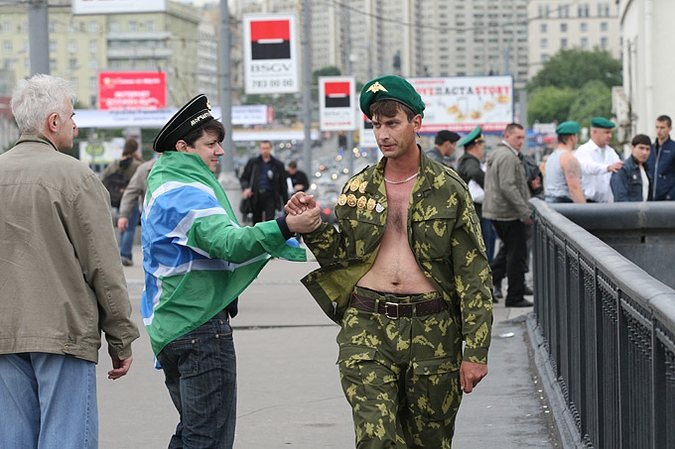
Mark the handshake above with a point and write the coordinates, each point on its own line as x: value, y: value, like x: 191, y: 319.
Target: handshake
x: 303, y: 214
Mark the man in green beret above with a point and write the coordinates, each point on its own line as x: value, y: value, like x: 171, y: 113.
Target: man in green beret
x: 563, y: 171
x: 406, y: 277
x: 598, y: 161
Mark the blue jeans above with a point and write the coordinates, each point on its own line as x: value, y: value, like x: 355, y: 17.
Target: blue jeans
x: 127, y: 237
x: 200, y: 374
x: 48, y: 401
x: 489, y: 237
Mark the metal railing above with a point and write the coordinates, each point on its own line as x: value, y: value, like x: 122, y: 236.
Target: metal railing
x: 608, y: 331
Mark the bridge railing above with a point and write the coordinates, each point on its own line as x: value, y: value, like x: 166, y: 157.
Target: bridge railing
x: 608, y: 330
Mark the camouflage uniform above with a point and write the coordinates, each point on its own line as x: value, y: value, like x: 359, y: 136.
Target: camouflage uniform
x: 401, y: 376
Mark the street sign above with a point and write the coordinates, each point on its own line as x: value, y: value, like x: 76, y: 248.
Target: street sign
x: 337, y: 109
x: 270, y: 61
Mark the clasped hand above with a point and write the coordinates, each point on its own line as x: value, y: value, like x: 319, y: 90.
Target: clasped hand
x: 303, y: 215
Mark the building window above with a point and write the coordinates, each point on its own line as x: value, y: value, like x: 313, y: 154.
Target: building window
x: 604, y: 26
x: 7, y: 28
x: 584, y: 42
x: 93, y: 27
x: 563, y: 43
x: 543, y: 43
x: 133, y: 26
x: 116, y: 65
x: 93, y: 64
x: 563, y: 11
x: 52, y: 27
x: 150, y: 25
x: 583, y: 10
x: 7, y: 46
x: 583, y: 27
x: 544, y: 57
x: 604, y: 42
x: 563, y: 27
x: 72, y: 64
x: 93, y: 47
x: 52, y: 65
x: 93, y: 82
x: 52, y: 46
x: 72, y: 47
x: 542, y: 28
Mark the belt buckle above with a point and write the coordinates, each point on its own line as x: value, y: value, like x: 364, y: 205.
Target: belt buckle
x: 386, y: 310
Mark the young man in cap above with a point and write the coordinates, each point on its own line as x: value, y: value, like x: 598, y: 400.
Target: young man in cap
x: 470, y: 168
x: 444, y: 145
x: 406, y: 277
x: 632, y: 182
x: 197, y: 260
x: 661, y: 162
x: 507, y: 205
x: 598, y: 161
x: 563, y: 171
x: 62, y: 280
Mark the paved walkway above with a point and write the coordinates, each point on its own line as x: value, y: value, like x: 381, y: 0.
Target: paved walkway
x: 289, y: 391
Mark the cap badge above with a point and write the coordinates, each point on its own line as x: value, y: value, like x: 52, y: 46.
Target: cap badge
x: 376, y: 87
x: 208, y: 105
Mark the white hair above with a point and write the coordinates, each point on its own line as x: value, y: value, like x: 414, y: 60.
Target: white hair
x: 36, y: 98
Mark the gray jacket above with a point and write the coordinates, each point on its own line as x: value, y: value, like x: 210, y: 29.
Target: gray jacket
x: 506, y: 191
x: 61, y: 280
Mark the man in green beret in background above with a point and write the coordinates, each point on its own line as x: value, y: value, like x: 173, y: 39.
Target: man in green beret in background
x: 406, y: 277
x: 563, y: 171
x: 598, y: 161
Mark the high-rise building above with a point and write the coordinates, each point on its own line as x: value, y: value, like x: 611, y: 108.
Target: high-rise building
x: 586, y: 24
x: 83, y: 45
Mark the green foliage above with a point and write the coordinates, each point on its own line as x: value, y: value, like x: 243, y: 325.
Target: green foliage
x: 593, y: 100
x: 551, y: 104
x: 574, y: 67
x: 324, y: 71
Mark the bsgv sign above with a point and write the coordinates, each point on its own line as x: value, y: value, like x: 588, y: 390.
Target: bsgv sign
x: 336, y: 108
x: 131, y: 90
x: 270, y: 61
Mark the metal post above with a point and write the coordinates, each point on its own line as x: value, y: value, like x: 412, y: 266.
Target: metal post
x: 307, y: 89
x: 227, y: 177
x: 38, y: 39
x: 348, y: 67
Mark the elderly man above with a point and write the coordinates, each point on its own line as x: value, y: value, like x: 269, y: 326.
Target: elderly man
x: 62, y: 279
x: 598, y: 161
x: 406, y: 277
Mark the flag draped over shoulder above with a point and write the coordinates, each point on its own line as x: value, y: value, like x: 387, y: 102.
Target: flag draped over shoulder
x: 197, y: 258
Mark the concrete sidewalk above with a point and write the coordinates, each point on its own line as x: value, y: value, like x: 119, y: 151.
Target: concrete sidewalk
x: 288, y: 385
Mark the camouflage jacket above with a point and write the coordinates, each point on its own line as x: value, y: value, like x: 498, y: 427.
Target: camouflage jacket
x: 443, y: 233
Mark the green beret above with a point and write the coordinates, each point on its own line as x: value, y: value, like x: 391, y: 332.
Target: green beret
x: 568, y: 128
x: 476, y: 135
x: 390, y: 87
x: 601, y: 122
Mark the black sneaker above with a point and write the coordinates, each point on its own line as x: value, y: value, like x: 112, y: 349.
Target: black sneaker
x: 520, y: 303
x: 528, y: 291
x: 497, y: 293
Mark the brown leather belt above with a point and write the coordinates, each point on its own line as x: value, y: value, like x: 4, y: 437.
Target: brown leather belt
x: 395, y: 310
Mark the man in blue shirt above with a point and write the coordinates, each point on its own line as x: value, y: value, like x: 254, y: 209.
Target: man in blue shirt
x: 661, y: 162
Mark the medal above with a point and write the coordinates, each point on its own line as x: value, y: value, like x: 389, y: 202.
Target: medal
x: 362, y: 187
x: 342, y: 200
x: 351, y: 200
x: 361, y: 203
x: 371, y: 204
x: 354, y: 186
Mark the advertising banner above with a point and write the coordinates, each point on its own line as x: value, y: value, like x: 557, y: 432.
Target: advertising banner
x: 462, y: 103
x: 337, y: 109
x: 270, y: 61
x: 131, y: 91
x: 117, y: 6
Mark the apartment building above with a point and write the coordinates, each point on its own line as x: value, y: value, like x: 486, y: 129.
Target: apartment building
x: 81, y: 46
x: 557, y: 24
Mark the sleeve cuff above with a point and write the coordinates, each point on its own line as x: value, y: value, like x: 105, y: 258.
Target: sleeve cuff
x: 283, y: 227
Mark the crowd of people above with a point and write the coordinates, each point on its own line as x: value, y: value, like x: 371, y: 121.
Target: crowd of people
x: 406, y: 273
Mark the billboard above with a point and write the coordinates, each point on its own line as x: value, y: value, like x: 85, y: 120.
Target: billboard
x: 131, y: 90
x: 337, y: 108
x: 270, y: 55
x: 117, y: 6
x: 462, y: 103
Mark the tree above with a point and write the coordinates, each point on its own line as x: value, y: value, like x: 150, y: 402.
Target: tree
x: 575, y: 67
x: 324, y: 71
x: 593, y: 100
x: 550, y: 104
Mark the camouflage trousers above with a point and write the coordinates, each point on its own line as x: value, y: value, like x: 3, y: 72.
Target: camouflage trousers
x: 400, y: 376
